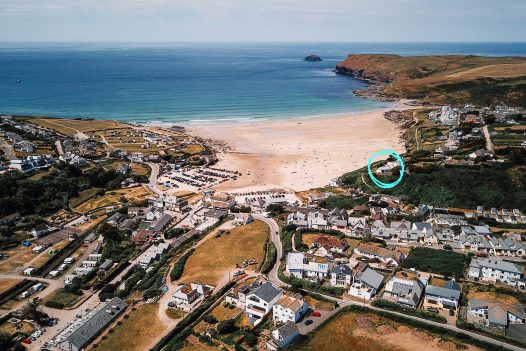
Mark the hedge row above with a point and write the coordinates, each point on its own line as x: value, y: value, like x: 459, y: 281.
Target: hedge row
x: 270, y: 258
x: 178, y: 268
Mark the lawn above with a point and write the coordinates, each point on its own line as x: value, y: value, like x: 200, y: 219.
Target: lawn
x: 447, y: 263
x: 212, y: 260
x: 142, y: 322
x: 354, y: 331
x: 63, y: 297
x: 113, y: 197
x: 45, y: 256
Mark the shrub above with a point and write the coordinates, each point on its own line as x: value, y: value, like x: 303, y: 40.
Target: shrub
x: 54, y: 304
x: 210, y: 319
x: 251, y: 339
x: 270, y: 258
x: 227, y: 326
x: 178, y: 268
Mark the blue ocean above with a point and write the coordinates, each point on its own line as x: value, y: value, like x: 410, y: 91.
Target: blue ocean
x: 181, y: 82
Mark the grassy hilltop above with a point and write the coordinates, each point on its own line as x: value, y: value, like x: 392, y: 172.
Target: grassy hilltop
x: 443, y: 79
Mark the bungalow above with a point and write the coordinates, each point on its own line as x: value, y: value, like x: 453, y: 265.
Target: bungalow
x: 475, y: 230
x: 282, y: 336
x: 494, y: 314
x: 40, y: 230
x: 446, y: 297
x: 366, y: 284
x: 341, y: 275
x: 330, y: 243
x: 357, y: 225
x: 243, y: 219
x: 386, y: 256
x: 407, y: 292
x: 289, y: 309
x: 261, y: 301
x: 142, y: 236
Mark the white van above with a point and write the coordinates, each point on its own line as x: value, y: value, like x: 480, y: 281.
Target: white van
x: 62, y: 267
x: 69, y: 260
x: 26, y: 293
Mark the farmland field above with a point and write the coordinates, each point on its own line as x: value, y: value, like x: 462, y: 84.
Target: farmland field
x: 212, y: 260
x: 70, y: 127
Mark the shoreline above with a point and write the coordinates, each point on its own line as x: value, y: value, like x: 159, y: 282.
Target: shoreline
x: 300, y: 153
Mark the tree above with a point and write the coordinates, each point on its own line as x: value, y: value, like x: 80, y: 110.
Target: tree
x: 227, y: 326
x: 110, y: 233
x: 6, y: 343
x: 251, y: 339
x: 32, y: 311
x: 275, y: 209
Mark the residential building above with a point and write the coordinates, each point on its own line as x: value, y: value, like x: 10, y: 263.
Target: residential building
x: 261, y: 301
x: 494, y: 314
x: 161, y: 223
x: 152, y: 253
x: 243, y: 218
x: 341, y: 275
x: 298, y: 219
x: 389, y: 257
x: 497, y: 271
x: 40, y: 230
x: 301, y: 265
x: 85, y: 330
x: 316, y: 220
x: 407, y: 292
x: 330, y: 243
x: 446, y: 297
x: 289, y: 309
x: 282, y: 336
x: 366, y: 284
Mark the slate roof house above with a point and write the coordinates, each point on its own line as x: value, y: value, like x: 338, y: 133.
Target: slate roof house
x: 407, y: 292
x: 494, y: 314
x: 497, y: 271
x: 260, y: 301
x: 282, y: 336
x: 443, y: 297
x: 366, y: 284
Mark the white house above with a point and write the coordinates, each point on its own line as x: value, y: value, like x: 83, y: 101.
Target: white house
x: 316, y: 220
x: 341, y: 275
x: 386, y: 256
x: 366, y: 284
x: 289, y: 309
x: 282, y: 336
x: 496, y: 271
x: 300, y: 265
x: 261, y: 301
x: 243, y: 218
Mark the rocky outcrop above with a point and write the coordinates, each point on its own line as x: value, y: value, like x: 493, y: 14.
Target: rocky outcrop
x: 312, y: 58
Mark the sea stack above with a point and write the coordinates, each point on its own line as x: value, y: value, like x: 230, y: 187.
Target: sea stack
x: 312, y: 58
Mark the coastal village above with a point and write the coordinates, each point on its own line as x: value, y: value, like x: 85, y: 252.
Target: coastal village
x: 112, y: 230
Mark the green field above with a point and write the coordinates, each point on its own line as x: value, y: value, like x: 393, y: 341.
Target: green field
x: 447, y: 263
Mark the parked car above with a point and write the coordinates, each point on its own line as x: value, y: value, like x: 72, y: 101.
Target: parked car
x: 315, y: 314
x: 308, y: 322
x: 451, y: 313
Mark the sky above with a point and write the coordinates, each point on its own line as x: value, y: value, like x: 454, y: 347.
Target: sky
x: 262, y: 20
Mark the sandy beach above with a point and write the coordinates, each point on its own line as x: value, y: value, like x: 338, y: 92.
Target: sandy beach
x: 300, y: 154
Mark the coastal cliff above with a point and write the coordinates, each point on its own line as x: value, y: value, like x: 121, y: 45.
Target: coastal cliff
x: 440, y: 79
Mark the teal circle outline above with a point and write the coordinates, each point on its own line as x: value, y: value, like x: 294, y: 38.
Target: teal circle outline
x: 376, y: 181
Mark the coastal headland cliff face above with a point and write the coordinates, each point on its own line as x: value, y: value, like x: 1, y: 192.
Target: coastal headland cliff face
x: 440, y: 79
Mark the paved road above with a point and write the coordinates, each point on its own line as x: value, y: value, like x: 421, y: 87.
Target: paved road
x: 153, y: 178
x: 489, y: 144
x: 274, y: 235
